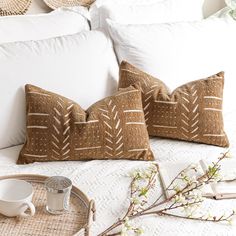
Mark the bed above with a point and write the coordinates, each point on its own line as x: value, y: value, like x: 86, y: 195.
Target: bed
x: 109, y: 184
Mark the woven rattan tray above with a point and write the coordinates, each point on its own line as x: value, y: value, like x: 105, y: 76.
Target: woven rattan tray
x: 74, y: 222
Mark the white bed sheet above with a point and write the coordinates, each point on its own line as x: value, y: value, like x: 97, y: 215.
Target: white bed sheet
x: 107, y: 182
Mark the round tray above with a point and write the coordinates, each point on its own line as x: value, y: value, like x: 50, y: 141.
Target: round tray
x: 74, y: 222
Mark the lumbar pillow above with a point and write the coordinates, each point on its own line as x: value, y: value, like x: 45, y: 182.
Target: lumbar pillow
x: 192, y: 112
x: 59, y: 129
x: 180, y: 52
x: 69, y: 65
x: 145, y: 12
x: 60, y: 22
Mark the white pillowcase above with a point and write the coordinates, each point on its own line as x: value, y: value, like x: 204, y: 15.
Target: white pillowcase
x: 60, y: 22
x: 178, y: 53
x: 82, y: 67
x: 158, y: 11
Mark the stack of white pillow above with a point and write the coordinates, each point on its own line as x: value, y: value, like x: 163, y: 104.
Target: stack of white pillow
x: 171, y: 41
x: 57, y: 51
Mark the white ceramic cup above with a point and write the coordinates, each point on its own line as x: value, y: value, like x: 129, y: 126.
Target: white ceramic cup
x: 16, y: 197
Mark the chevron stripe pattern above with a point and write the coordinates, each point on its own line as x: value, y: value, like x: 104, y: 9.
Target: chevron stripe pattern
x: 59, y: 129
x: 189, y: 117
x: 193, y: 112
x: 60, y: 135
x: 114, y: 141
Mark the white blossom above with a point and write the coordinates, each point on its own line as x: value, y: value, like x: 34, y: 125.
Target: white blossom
x: 135, y: 201
x: 139, y: 231
x: 180, y: 199
x: 133, y: 174
x: 228, y: 154
x: 124, y: 231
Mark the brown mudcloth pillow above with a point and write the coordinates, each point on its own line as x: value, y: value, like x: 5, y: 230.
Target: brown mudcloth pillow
x: 192, y: 112
x: 59, y: 129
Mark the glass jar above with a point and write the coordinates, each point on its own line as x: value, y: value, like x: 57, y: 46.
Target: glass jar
x: 58, y: 194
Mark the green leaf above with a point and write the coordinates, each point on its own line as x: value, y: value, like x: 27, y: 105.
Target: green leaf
x: 143, y: 192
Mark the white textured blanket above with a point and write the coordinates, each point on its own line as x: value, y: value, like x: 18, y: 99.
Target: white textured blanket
x: 107, y: 182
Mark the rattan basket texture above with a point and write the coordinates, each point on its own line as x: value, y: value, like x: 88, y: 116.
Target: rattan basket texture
x: 68, y: 3
x: 14, y: 7
x: 76, y: 221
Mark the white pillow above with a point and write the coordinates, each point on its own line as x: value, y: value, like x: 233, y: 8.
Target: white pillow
x: 82, y: 67
x: 60, y: 22
x: 158, y: 11
x: 178, y: 53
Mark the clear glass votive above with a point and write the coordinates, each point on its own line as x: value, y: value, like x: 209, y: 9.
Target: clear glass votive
x: 58, y: 194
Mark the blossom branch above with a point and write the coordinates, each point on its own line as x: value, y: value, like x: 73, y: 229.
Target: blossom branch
x: 188, y: 197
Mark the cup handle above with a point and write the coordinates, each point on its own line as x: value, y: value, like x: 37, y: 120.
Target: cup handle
x: 31, y: 206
